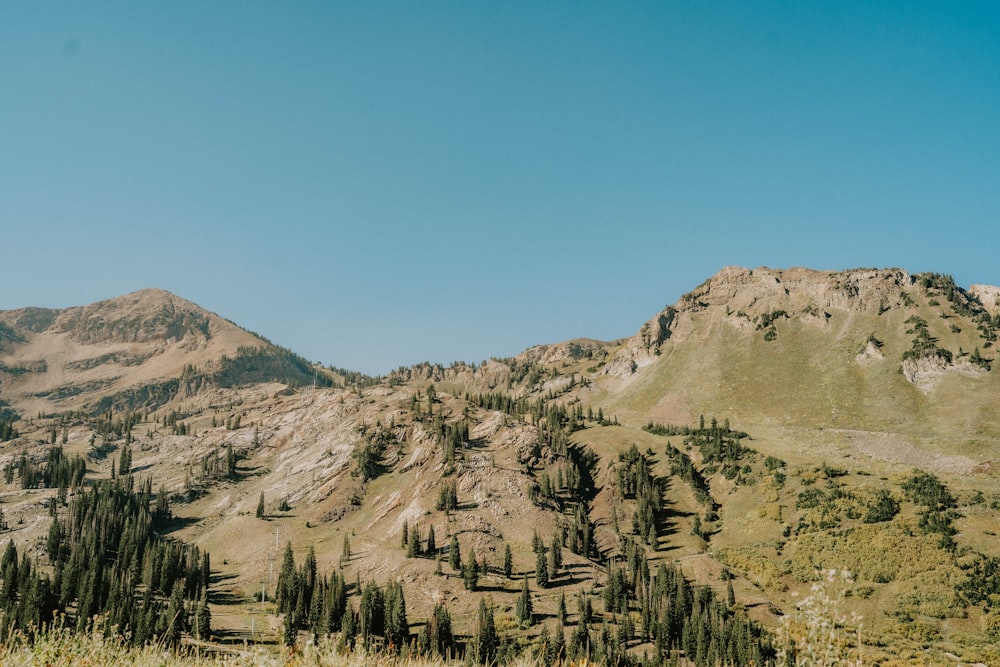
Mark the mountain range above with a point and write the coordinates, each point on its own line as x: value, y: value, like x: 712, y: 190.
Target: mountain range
x: 838, y: 388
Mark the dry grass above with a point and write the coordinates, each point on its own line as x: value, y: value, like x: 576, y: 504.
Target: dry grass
x: 61, y: 647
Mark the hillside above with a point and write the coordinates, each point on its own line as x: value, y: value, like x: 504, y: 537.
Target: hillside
x: 866, y: 350
x: 140, y: 350
x: 768, y: 425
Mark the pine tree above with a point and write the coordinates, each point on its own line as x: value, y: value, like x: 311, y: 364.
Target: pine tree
x: 470, y: 571
x: 523, y: 611
x: 345, y: 553
x: 371, y: 614
x: 260, y: 506
x: 431, y: 543
x: 203, y: 618
x: 175, y: 615
x: 349, y: 629
x: 454, y: 556
x: 290, y: 631
x: 542, y: 568
x: 285, y: 589
x: 485, y: 642
x: 508, y: 561
x: 397, y: 628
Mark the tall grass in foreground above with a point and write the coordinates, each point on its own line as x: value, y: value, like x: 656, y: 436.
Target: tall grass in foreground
x: 59, y: 646
x: 818, y: 634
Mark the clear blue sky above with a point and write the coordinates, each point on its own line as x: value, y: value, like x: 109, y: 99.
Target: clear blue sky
x: 374, y: 184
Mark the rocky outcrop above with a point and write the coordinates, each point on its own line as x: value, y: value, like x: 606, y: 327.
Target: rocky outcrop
x: 927, y: 372
x: 140, y: 317
x: 989, y: 296
x: 754, y: 298
x: 571, y: 350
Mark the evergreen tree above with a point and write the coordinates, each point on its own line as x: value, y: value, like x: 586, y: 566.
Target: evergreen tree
x: 397, y: 628
x: 290, y: 631
x: 508, y: 561
x: 542, y: 568
x: 485, y: 643
x: 285, y: 589
x: 523, y: 611
x: 345, y: 553
x: 203, y: 618
x: 454, y: 556
x: 431, y: 543
x: 371, y: 614
x: 260, y: 506
x: 470, y: 571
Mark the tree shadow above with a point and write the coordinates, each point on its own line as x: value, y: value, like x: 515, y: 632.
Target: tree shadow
x: 177, y: 523
x: 228, y: 598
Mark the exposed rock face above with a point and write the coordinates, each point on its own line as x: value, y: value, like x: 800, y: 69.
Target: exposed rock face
x: 139, y: 317
x: 927, y: 372
x: 67, y: 358
x: 988, y: 295
x: 745, y: 295
x: 744, y: 289
x: 571, y: 350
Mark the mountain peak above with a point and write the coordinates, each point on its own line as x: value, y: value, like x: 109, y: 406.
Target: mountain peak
x: 741, y: 288
x: 71, y: 357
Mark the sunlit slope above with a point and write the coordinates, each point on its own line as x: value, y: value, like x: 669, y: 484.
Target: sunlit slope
x: 822, y: 367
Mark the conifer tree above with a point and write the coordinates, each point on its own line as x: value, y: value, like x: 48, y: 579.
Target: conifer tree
x: 454, y: 556
x: 485, y: 643
x: 345, y: 553
x: 431, y: 543
x: 470, y: 571
x: 523, y: 611
x: 542, y: 568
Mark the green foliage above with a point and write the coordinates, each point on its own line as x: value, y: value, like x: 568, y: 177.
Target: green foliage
x: 925, y: 489
x: 767, y: 320
x: 636, y: 480
x: 542, y: 567
x: 7, y: 430
x: 924, y: 345
x: 368, y: 453
x: 454, y: 555
x: 470, y: 571
x: 448, y: 496
x: 882, y: 508
x: 485, y: 642
x: 266, y: 363
x: 101, y: 552
x: 437, y: 638
x: 523, y: 610
x: 982, y: 585
x: 58, y: 470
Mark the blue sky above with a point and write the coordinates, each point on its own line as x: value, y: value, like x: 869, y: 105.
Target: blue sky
x: 378, y: 184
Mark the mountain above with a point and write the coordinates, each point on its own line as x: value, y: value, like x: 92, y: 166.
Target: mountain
x: 135, y: 351
x: 870, y: 350
x: 769, y: 425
